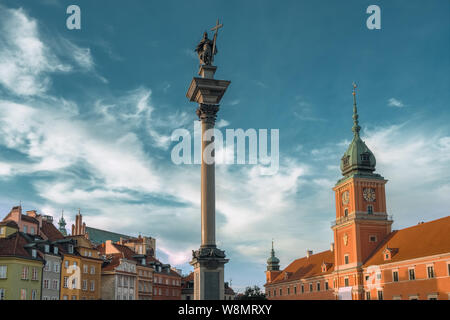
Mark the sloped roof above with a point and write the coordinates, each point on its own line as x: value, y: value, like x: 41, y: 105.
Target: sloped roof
x: 113, y: 263
x: 14, y: 245
x: 10, y: 223
x: 307, y: 267
x: 98, y: 236
x: 422, y: 240
x: 50, y: 231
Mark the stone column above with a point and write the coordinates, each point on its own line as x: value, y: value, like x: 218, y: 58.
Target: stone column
x: 207, y: 115
x: 208, y: 261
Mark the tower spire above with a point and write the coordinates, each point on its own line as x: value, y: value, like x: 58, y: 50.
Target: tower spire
x: 356, y: 126
x: 273, y: 263
x: 62, y: 224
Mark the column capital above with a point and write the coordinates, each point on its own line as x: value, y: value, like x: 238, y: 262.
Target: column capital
x: 207, y: 112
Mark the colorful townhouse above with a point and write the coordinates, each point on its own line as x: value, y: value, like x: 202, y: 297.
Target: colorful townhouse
x: 119, y: 272
x: 20, y: 265
x: 81, y: 270
x: 367, y: 260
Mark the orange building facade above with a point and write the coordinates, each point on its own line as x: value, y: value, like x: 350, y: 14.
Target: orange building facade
x: 367, y: 261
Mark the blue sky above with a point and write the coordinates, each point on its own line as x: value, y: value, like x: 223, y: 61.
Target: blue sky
x: 86, y: 116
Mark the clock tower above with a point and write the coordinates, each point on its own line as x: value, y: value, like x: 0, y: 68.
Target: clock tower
x: 361, y: 217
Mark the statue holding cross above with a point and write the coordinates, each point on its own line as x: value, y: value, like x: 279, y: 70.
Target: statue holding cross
x: 207, y: 48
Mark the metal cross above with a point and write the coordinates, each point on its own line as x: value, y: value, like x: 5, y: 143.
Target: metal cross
x: 215, y: 28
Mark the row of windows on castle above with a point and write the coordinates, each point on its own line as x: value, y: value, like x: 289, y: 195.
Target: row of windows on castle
x: 369, y: 210
x: 411, y: 275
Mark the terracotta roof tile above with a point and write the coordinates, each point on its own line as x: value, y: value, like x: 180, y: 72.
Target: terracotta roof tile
x: 307, y: 267
x: 421, y: 240
x: 14, y: 246
x: 50, y: 231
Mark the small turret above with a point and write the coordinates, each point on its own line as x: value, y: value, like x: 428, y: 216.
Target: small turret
x: 62, y: 224
x: 273, y: 263
x: 358, y: 159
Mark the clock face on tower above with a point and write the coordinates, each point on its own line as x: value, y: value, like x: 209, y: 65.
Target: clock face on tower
x: 345, y: 197
x: 369, y: 194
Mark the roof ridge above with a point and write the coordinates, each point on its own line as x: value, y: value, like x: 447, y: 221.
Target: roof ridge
x: 424, y: 223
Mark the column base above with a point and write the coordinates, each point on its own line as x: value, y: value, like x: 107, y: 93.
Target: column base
x: 209, y: 266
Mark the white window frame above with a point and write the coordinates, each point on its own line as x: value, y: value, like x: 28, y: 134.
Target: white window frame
x: 398, y: 275
x: 46, y: 284
x: 414, y: 297
x: 409, y: 274
x: 85, y: 285
x: 34, y: 274
x: 55, y: 284
x: 92, y: 285
x: 378, y: 294
x: 397, y: 297
x: 428, y: 274
x: 3, y: 272
x: 25, y: 272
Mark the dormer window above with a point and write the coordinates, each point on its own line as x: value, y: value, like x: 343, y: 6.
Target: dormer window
x: 324, y: 267
x: 70, y: 248
x: 365, y: 157
x: 34, y: 253
x: 369, y: 209
x: 143, y: 261
x: 47, y: 248
x: 55, y: 250
x: 387, y: 254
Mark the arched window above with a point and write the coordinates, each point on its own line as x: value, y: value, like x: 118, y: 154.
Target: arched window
x: 345, y: 212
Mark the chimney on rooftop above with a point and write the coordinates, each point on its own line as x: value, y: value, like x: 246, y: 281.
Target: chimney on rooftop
x: 332, y: 247
x: 32, y: 213
x: 309, y: 253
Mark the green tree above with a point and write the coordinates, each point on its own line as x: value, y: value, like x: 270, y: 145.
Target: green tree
x: 252, y: 293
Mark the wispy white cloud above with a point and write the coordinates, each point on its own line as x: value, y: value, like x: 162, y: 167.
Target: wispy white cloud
x: 392, y: 102
x: 25, y: 61
x: 222, y: 123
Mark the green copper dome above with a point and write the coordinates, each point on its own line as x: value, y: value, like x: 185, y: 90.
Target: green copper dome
x: 358, y: 159
x: 273, y: 263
